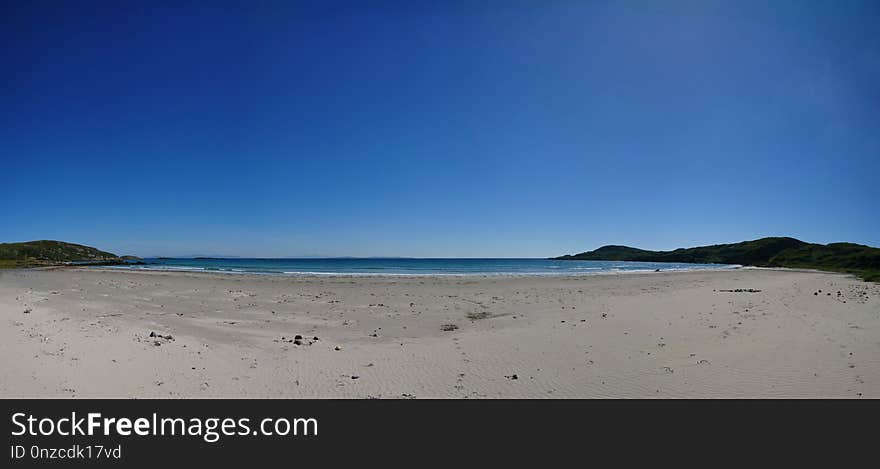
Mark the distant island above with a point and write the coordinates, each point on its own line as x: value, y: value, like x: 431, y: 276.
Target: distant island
x: 857, y: 259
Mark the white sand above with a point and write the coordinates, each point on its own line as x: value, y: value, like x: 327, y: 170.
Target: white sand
x: 629, y: 335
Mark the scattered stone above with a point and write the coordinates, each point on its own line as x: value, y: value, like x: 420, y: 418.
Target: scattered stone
x: 27, y: 311
x: 337, y: 348
x: 476, y: 316
x: 512, y: 377
x: 448, y: 327
x: 153, y: 335
x: 355, y: 376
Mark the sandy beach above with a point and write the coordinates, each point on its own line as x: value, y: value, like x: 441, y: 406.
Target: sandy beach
x: 745, y: 333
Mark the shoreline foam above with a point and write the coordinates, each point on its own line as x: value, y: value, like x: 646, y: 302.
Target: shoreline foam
x: 566, y: 273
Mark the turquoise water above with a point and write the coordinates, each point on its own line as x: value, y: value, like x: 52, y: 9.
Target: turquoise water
x: 409, y: 266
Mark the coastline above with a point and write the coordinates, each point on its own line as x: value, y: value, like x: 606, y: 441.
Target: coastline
x: 643, y: 334
x: 185, y: 270
x: 403, y: 266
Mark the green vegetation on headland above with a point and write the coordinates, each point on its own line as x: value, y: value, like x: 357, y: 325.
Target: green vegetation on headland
x: 48, y: 253
x: 857, y: 259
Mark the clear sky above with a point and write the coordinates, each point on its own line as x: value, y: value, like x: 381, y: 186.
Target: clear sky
x: 438, y: 130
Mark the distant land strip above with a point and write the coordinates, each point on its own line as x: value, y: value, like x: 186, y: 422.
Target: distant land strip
x: 52, y: 253
x: 863, y: 261
x: 857, y: 259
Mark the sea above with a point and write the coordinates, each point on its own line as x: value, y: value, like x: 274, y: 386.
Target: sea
x: 408, y: 266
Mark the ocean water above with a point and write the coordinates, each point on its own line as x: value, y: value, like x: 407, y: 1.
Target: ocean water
x: 410, y: 266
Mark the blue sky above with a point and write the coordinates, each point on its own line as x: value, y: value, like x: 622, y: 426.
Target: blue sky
x: 510, y: 129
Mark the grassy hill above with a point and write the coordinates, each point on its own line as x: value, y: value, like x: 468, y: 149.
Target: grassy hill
x: 863, y: 261
x: 33, y: 253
